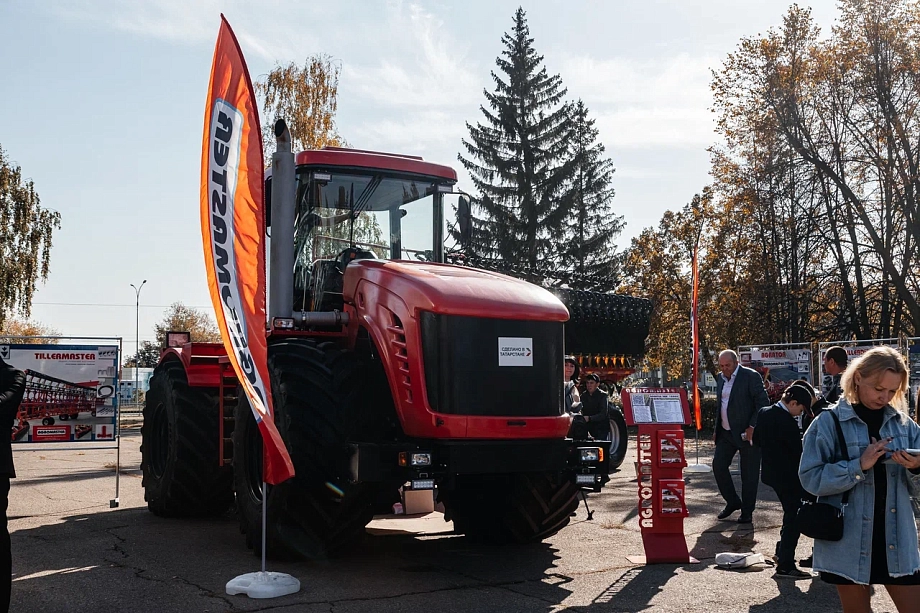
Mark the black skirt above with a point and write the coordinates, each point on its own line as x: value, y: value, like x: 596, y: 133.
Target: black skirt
x: 874, y: 579
x: 878, y: 569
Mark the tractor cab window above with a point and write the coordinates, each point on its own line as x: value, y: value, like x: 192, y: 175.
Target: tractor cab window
x: 381, y: 214
x: 385, y: 217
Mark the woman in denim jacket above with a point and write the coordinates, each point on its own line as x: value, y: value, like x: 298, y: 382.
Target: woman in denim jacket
x: 879, y: 544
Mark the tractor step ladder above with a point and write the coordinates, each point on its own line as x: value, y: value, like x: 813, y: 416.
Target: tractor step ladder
x: 228, y: 400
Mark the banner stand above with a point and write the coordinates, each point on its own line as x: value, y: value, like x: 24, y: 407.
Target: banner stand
x: 113, y: 504
x: 660, y: 414
x: 263, y: 584
x: 53, y: 393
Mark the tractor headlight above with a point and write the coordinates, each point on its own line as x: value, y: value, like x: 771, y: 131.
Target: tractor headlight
x: 590, y: 454
x: 421, y: 459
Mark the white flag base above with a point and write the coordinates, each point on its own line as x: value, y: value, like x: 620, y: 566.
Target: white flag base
x: 697, y: 468
x: 263, y: 585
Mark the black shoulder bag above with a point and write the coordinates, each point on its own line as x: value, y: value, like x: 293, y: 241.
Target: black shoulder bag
x: 821, y: 520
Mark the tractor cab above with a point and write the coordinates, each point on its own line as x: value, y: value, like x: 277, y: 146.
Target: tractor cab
x: 352, y: 204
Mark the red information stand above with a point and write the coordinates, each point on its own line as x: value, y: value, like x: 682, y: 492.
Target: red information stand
x: 659, y: 413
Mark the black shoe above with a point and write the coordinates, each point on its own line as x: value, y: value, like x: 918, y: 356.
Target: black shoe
x: 745, y: 519
x: 728, y: 510
x: 792, y: 573
x: 806, y: 562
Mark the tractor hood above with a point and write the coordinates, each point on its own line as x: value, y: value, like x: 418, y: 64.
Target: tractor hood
x: 455, y: 290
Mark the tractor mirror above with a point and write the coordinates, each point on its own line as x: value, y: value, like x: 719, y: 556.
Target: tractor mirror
x: 178, y: 339
x: 267, y: 197
x: 464, y: 219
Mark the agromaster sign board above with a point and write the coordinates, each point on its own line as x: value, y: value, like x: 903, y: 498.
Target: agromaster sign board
x: 70, y: 392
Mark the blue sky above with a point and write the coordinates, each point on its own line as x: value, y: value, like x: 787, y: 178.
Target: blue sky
x: 102, y: 105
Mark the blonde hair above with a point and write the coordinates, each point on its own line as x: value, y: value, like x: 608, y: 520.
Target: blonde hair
x: 870, y: 364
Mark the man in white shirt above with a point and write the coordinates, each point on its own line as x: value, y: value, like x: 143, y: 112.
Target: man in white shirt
x: 741, y: 395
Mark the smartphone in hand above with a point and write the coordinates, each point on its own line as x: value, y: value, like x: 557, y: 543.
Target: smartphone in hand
x: 888, y: 459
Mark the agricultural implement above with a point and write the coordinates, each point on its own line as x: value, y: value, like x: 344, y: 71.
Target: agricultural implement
x: 47, y: 398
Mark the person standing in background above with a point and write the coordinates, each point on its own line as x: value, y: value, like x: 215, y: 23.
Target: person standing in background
x: 741, y: 395
x: 835, y: 362
x: 879, y: 544
x: 778, y: 436
x: 12, y: 387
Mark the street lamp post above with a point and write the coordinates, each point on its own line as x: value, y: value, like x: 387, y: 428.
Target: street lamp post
x: 137, y: 336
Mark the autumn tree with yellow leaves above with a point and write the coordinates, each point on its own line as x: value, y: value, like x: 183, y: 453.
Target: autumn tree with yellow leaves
x: 306, y: 97
x: 810, y: 230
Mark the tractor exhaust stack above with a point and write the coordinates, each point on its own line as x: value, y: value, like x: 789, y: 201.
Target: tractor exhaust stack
x: 281, y: 262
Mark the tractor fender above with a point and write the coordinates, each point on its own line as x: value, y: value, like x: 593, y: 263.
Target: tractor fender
x: 396, y: 336
x: 201, y: 362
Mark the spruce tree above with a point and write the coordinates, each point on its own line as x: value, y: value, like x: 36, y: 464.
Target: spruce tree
x: 592, y: 227
x: 518, y: 157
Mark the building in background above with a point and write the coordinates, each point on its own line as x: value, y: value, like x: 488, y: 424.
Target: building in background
x: 126, y: 384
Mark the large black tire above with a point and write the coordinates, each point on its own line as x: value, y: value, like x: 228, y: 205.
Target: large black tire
x: 320, y: 401
x: 520, y: 508
x: 179, y: 448
x: 619, y: 438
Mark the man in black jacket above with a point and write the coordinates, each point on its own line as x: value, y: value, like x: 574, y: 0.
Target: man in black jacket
x: 777, y: 434
x: 835, y: 362
x: 12, y: 387
x: 594, y: 408
x: 741, y: 394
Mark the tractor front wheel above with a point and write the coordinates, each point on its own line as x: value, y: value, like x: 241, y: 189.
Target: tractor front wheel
x: 318, y: 392
x: 179, y: 448
x: 519, y: 508
x: 619, y: 438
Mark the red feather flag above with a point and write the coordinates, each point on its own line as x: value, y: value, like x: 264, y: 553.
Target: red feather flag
x: 232, y: 225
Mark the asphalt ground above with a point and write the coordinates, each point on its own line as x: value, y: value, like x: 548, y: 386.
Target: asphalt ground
x: 71, y: 552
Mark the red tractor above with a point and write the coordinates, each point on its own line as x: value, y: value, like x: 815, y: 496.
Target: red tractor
x: 389, y: 368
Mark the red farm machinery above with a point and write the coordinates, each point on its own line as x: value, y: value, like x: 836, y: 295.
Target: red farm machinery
x: 47, y: 398
x: 389, y: 368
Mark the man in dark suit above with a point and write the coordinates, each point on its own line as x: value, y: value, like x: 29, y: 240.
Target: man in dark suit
x: 12, y: 387
x: 741, y: 394
x: 777, y: 434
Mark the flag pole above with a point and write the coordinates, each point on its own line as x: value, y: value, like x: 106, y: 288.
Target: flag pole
x: 265, y: 521
x: 695, y: 360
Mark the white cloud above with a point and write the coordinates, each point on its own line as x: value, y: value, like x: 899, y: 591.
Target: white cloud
x: 179, y: 20
x: 637, y: 172
x: 267, y: 29
x: 424, y: 66
x: 646, y: 103
x: 654, y: 127
x: 431, y: 134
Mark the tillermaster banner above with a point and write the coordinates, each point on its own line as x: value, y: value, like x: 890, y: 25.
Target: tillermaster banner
x: 70, y: 392
x: 232, y: 226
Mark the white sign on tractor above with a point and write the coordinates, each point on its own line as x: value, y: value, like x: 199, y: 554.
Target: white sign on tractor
x: 513, y: 351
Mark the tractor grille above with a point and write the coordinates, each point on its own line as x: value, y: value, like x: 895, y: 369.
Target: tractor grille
x: 463, y: 375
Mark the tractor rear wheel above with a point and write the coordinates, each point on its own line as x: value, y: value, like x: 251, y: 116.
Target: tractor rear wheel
x: 320, y: 403
x: 179, y: 448
x: 520, y: 508
x: 619, y: 438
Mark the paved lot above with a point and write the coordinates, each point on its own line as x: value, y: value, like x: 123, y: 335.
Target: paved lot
x: 71, y: 552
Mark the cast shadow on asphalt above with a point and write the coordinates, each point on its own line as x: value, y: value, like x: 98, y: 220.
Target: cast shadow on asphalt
x: 80, y: 475
x: 131, y: 560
